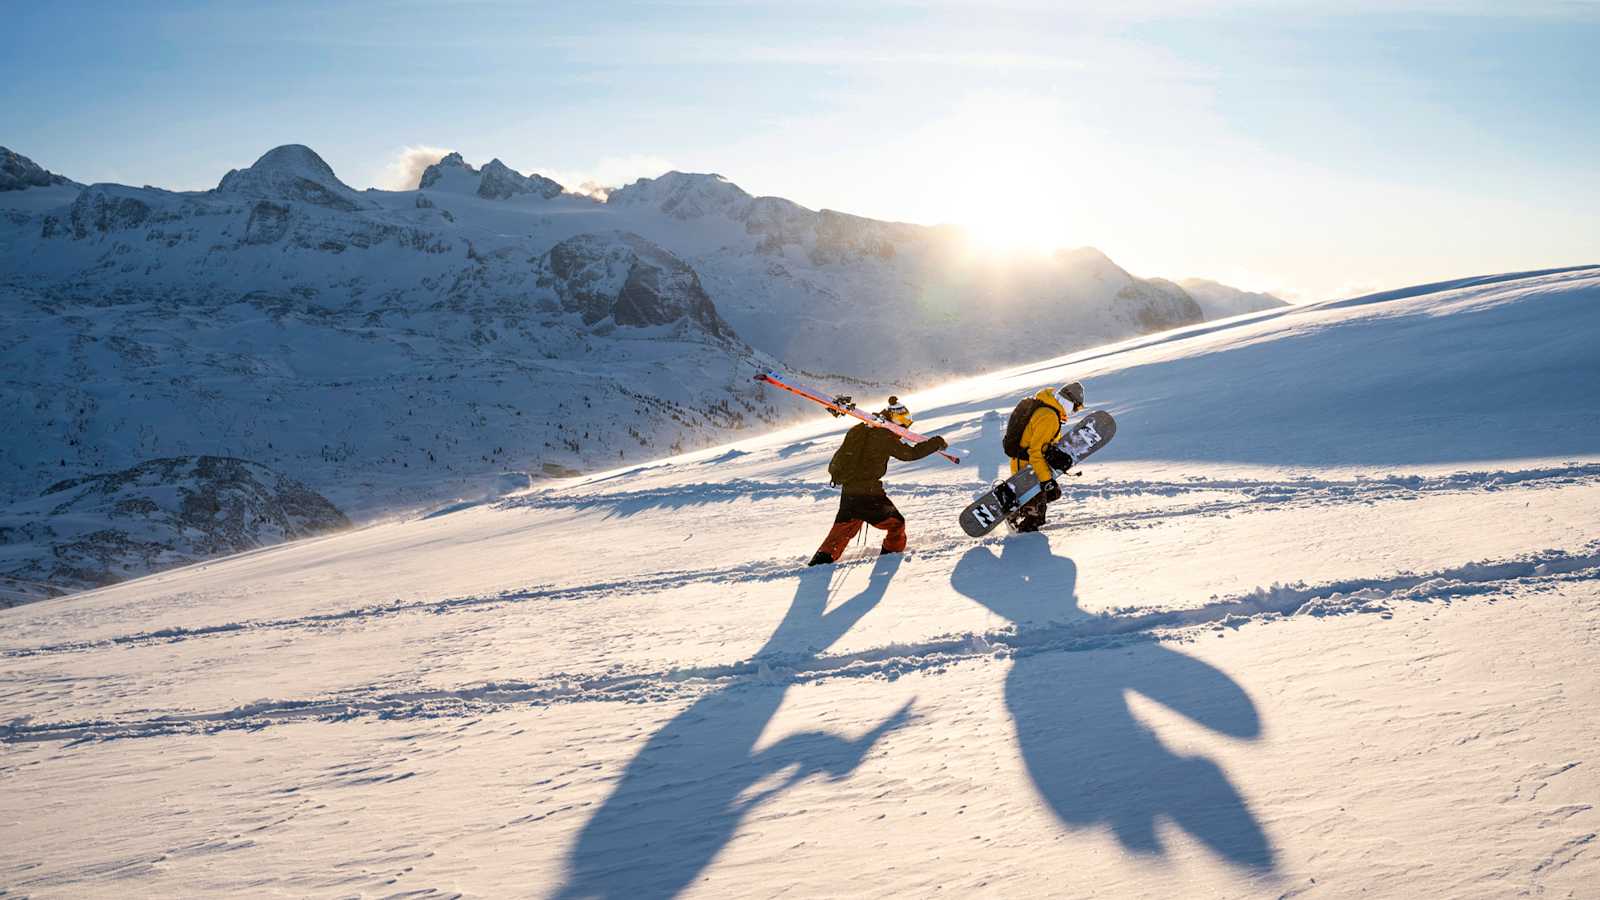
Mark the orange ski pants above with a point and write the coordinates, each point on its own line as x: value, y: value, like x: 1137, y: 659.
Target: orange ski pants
x: 856, y: 510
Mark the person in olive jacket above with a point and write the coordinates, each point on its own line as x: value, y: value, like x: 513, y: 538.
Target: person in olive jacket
x: 858, y: 467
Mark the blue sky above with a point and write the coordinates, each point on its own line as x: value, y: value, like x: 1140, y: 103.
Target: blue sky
x: 1314, y: 148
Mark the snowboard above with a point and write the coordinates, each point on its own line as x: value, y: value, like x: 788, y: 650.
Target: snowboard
x: 1092, y: 432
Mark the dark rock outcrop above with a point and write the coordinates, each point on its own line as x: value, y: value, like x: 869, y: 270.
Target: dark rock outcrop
x: 107, y: 207
x: 633, y: 282
x: 432, y: 174
x: 18, y: 173
x: 501, y: 182
x: 101, y: 529
x: 1156, y: 304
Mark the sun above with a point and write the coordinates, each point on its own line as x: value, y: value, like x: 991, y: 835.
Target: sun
x: 1012, y: 226
x: 1006, y: 178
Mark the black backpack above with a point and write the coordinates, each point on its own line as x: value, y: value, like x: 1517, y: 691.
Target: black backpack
x: 847, y: 458
x: 1017, y: 424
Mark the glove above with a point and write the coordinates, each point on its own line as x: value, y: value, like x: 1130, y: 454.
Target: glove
x: 1050, y: 490
x: 1057, y: 458
x: 938, y: 443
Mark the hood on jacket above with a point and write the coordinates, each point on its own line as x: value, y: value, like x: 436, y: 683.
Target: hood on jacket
x: 1047, y: 396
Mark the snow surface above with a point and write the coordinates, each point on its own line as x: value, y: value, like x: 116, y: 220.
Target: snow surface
x: 1321, y: 621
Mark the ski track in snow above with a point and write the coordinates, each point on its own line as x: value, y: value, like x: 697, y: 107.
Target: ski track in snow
x: 1215, y: 496
x: 1513, y: 577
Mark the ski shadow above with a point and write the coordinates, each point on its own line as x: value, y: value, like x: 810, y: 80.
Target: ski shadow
x: 683, y: 796
x: 1090, y: 758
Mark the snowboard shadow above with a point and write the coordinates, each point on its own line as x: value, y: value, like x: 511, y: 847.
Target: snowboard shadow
x: 1091, y: 759
x: 683, y: 796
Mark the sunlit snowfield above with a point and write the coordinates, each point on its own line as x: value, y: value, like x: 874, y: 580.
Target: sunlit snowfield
x: 1324, y: 619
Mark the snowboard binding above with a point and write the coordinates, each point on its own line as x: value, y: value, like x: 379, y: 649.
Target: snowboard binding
x: 1006, y: 496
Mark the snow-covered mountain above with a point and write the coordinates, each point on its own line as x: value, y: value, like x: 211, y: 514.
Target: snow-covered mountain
x: 374, y: 345
x: 1320, y: 621
x: 1219, y: 301
x: 397, y: 350
x: 18, y: 173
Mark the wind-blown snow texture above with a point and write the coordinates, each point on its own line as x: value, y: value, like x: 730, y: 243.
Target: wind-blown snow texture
x: 1321, y: 621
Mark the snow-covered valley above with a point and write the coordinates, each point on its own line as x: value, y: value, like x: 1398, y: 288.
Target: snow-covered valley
x: 1321, y: 621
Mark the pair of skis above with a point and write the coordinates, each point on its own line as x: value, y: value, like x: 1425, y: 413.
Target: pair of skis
x: 842, y: 406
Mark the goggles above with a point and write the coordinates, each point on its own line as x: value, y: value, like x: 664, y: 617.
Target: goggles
x: 1074, y: 392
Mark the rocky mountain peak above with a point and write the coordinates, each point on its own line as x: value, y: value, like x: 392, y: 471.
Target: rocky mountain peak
x: 499, y: 182
x: 684, y: 195
x: 451, y: 161
x: 1087, y: 257
x: 291, y: 172
x: 17, y: 173
x: 297, y: 159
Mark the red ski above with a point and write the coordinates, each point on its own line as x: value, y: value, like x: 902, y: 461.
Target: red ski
x: 841, y: 406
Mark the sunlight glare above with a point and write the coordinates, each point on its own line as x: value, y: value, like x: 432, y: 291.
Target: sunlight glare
x: 1006, y: 180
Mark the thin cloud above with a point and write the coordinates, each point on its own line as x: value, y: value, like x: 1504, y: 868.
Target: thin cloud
x: 608, y: 174
x: 405, y: 171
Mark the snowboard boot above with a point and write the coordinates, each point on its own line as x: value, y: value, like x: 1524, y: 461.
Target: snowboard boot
x: 1028, y: 518
x: 821, y: 559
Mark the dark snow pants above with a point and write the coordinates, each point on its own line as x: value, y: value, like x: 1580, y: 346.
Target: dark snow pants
x: 856, y: 510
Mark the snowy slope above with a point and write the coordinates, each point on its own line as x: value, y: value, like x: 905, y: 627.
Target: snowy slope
x: 1320, y: 622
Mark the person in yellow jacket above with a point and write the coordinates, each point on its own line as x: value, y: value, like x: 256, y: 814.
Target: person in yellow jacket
x: 1030, y: 441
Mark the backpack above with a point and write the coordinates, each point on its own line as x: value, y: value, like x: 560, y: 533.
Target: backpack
x: 1018, y: 423
x: 847, y: 458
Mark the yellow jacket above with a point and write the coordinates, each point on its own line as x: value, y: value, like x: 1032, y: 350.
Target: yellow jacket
x: 1041, y: 430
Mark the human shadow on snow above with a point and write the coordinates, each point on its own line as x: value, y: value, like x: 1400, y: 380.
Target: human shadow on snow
x: 1091, y: 760
x: 986, y: 453
x: 683, y: 796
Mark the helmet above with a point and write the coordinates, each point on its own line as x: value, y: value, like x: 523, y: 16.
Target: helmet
x: 1073, y: 391
x: 897, y: 413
